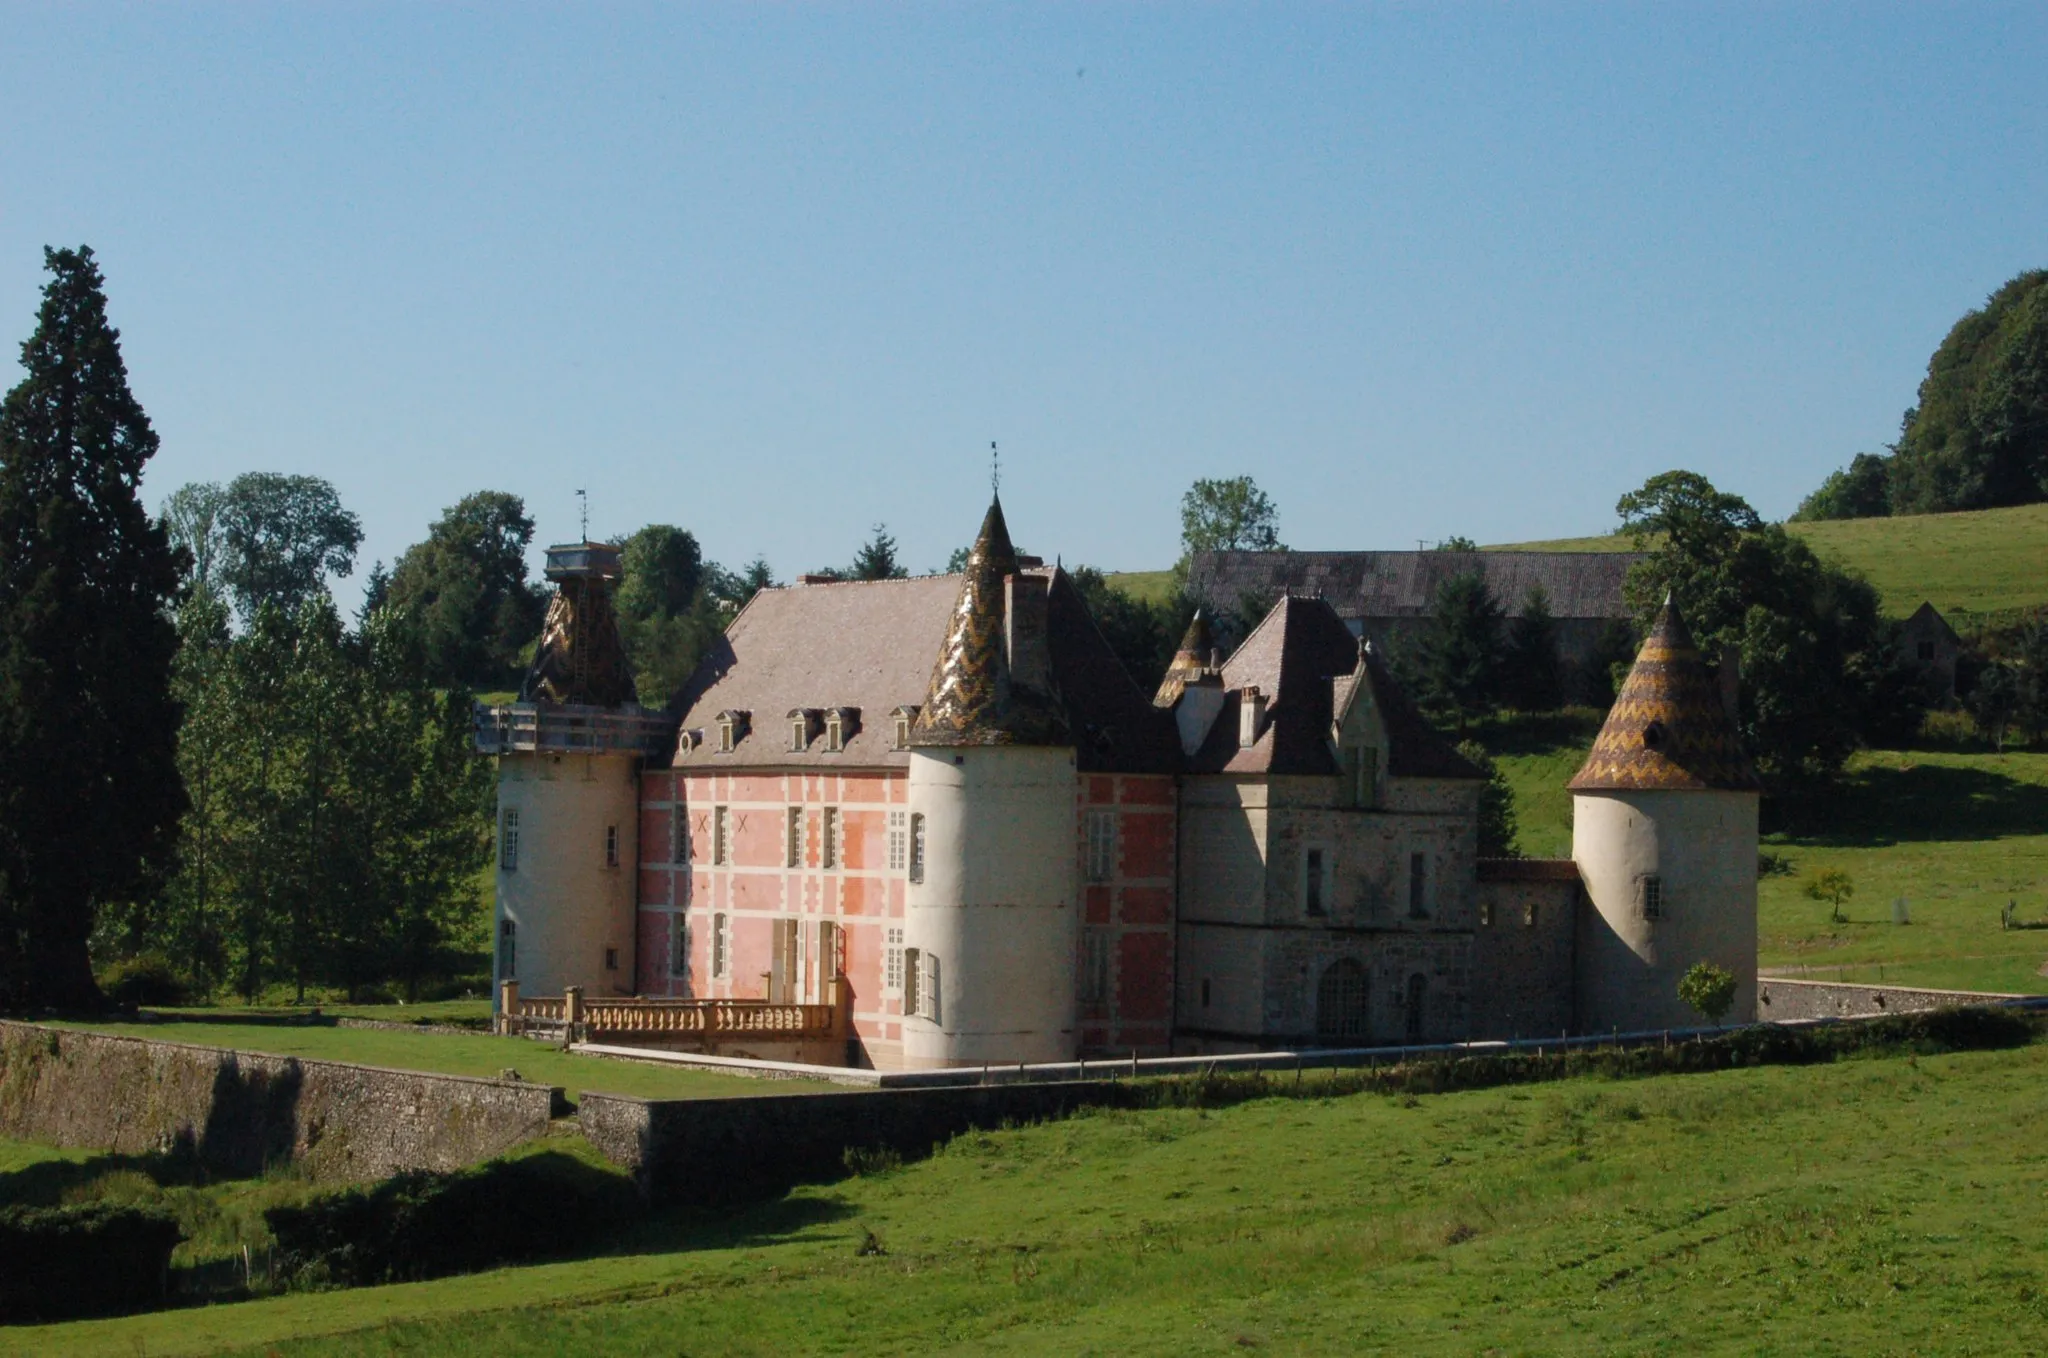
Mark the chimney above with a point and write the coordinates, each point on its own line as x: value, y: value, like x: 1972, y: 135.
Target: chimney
x: 1731, y: 682
x: 816, y: 578
x: 1251, y: 716
x: 1024, y: 631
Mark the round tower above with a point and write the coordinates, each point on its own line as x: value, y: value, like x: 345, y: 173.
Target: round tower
x: 991, y: 932
x: 569, y: 754
x: 1664, y: 832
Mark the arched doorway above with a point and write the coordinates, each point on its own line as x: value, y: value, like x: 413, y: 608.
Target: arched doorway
x: 1340, y: 1004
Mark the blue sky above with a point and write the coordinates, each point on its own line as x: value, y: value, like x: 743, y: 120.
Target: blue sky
x: 776, y: 273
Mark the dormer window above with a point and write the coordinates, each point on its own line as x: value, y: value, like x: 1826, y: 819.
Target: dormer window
x: 732, y: 729
x: 904, y: 717
x: 803, y: 728
x: 840, y: 724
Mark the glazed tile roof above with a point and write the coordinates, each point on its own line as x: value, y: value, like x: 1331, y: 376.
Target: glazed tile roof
x: 975, y: 697
x: 1291, y: 658
x: 1668, y: 729
x: 1189, y: 662
x: 1404, y: 584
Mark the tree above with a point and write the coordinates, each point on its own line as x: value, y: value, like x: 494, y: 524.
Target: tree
x: 1862, y: 490
x: 876, y: 559
x: 2031, y: 711
x: 1833, y: 886
x: 191, y: 516
x: 89, y: 789
x: 1497, y: 826
x: 1143, y: 633
x: 1995, y: 700
x: 1812, y: 644
x: 658, y: 605
x: 464, y: 592
x: 1228, y: 515
x: 1461, y: 659
x: 1529, y: 669
x: 1456, y: 543
x: 279, y: 538
x: 1707, y: 990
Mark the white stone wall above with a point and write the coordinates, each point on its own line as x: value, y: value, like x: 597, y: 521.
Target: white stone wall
x: 1702, y: 847
x: 570, y: 908
x: 997, y: 906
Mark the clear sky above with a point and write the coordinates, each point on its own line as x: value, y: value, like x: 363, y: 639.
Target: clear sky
x: 776, y: 273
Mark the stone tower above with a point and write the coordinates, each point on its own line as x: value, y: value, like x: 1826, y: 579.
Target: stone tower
x: 1664, y: 830
x: 569, y: 754
x: 991, y: 930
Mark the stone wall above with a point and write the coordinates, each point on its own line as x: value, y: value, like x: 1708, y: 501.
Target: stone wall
x: 1779, y: 1000
x: 1522, y: 950
x: 241, y: 1112
x: 725, y: 1150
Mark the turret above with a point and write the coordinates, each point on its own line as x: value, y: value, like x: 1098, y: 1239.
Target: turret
x: 569, y: 753
x: 991, y: 929
x: 1664, y: 831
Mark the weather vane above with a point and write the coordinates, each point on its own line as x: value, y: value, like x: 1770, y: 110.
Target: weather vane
x: 583, y: 512
x: 995, y: 469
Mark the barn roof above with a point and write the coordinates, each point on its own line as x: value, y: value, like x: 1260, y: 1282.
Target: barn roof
x: 1404, y: 584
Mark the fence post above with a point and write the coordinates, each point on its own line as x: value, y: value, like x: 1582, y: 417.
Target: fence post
x: 572, y: 1012
x: 508, y: 1007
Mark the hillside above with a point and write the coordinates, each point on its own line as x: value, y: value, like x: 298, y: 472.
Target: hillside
x: 1876, y: 1205
x: 1987, y: 561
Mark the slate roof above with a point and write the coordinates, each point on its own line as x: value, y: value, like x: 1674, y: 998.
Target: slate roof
x: 1668, y: 729
x: 1403, y: 584
x: 1115, y: 727
x: 1291, y: 658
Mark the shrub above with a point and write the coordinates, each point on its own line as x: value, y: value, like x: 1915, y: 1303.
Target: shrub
x: 1708, y: 990
x: 59, y: 1263
x: 1834, y: 887
x: 145, y: 979
x: 425, y: 1225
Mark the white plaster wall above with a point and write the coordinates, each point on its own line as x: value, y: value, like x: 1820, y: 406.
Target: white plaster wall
x: 997, y: 905
x: 1703, y: 845
x: 568, y: 906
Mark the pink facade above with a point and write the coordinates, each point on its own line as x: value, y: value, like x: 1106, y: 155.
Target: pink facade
x: 1127, y: 925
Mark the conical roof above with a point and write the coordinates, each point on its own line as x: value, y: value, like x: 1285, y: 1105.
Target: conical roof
x: 1191, y: 661
x: 973, y: 699
x: 581, y: 658
x: 1668, y: 729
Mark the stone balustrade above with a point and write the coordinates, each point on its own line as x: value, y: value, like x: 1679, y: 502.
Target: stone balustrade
x: 659, y: 1020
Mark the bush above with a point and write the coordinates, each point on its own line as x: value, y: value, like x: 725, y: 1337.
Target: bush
x: 145, y: 979
x: 60, y: 1263
x: 425, y: 1225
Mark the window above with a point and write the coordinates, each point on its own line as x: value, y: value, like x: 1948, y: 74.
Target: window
x: 1418, y: 886
x: 793, y: 838
x: 1341, y: 1003
x: 1650, y: 896
x: 728, y: 732
x: 1312, y: 871
x: 508, y: 950
x: 829, y: 850
x: 912, y: 969
x: 508, y: 841
x: 799, y: 730
x: 721, y: 835
x: 831, y: 958
x: 835, y: 732
x: 1101, y: 845
x: 921, y: 985
x: 892, y: 962
x: 899, y: 841
x: 1095, y: 966
x: 721, y: 944
x: 611, y: 846
x: 611, y: 959
x: 679, y: 834
x: 916, y: 847
x: 1926, y: 651
x: 679, y: 946
x: 1418, y: 987
x: 902, y: 730
x: 1205, y: 992
x: 1529, y: 915
x: 1486, y: 913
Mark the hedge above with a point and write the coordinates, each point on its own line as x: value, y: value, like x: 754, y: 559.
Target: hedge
x: 60, y: 1263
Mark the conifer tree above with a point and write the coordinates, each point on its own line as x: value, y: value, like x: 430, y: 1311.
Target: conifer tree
x: 89, y: 789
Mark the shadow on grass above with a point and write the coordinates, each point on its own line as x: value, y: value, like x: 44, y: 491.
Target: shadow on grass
x: 1879, y: 807
x: 48, y: 1183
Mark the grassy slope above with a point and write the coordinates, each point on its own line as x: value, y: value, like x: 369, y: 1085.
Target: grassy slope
x: 1958, y: 835
x: 462, y: 1054
x: 1980, y: 562
x: 1145, y: 586
x: 1872, y: 1206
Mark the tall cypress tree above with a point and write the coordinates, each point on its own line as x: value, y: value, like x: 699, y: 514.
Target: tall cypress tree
x: 89, y: 789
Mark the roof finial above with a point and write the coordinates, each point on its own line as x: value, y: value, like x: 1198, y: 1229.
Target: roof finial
x: 583, y: 513
x: 995, y: 471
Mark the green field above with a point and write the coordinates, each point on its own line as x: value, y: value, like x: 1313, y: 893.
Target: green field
x: 1876, y: 1205
x: 1989, y: 561
x: 1957, y: 835
x: 459, y: 1054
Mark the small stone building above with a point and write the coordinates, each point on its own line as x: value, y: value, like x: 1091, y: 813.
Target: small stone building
x: 1928, y: 646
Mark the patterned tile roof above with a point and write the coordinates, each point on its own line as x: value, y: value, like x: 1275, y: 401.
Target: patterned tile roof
x: 1668, y: 729
x: 975, y: 697
x: 1189, y: 662
x: 580, y: 659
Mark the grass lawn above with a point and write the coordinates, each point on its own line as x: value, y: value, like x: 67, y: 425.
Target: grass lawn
x: 1984, y: 561
x: 1145, y: 586
x: 1957, y: 835
x: 458, y: 1054
x: 1877, y: 1205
